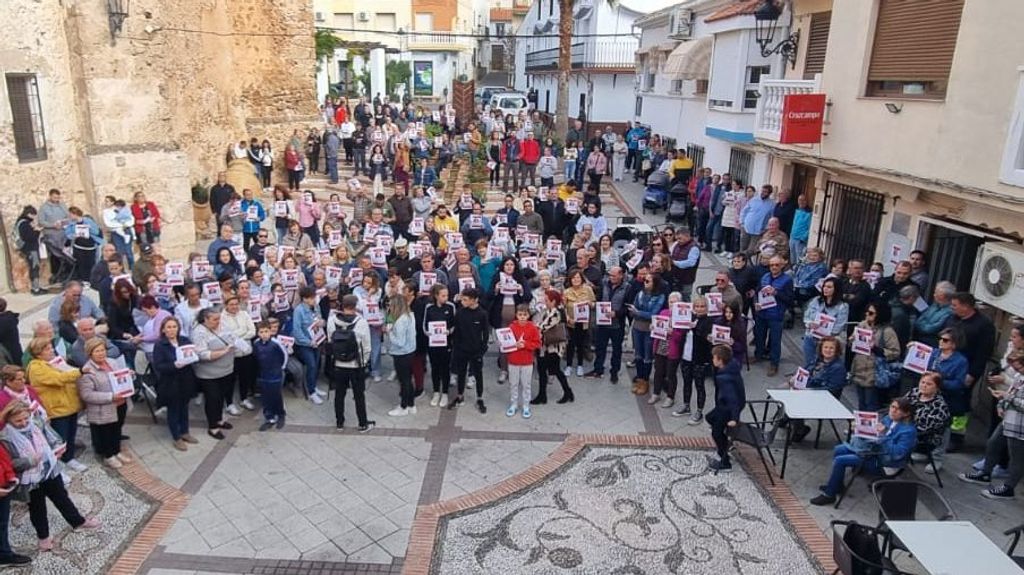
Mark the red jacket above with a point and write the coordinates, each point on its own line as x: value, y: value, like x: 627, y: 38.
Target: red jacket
x: 530, y: 151
x: 340, y: 115
x: 153, y: 213
x: 7, y: 473
x: 529, y: 334
x: 291, y: 159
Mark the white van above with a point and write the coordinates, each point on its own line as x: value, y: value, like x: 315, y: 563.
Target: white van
x: 508, y: 102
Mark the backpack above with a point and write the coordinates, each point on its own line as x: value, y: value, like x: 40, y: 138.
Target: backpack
x: 345, y: 344
x: 19, y: 244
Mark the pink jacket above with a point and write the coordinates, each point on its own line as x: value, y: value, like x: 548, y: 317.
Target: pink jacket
x: 675, y: 338
x: 308, y: 213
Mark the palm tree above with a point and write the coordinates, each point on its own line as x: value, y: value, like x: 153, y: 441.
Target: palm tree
x: 565, y: 21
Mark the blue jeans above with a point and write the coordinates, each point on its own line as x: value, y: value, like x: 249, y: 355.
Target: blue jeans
x: 570, y: 169
x: 332, y: 169
x: 642, y: 353
x: 177, y: 418
x: 713, y: 231
x: 843, y: 458
x: 67, y: 428
x: 797, y: 249
x: 376, y: 336
x: 602, y: 336
x: 124, y: 247
x: 770, y: 330
x: 273, y: 403
x: 281, y: 233
x: 310, y: 358
x: 810, y: 352
x: 867, y: 398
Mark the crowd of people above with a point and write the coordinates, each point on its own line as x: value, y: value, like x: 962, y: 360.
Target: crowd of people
x: 302, y: 291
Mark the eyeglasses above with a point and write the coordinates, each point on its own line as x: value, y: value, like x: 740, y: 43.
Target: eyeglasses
x: 946, y: 339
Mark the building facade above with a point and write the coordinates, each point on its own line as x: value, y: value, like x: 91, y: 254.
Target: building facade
x: 151, y: 108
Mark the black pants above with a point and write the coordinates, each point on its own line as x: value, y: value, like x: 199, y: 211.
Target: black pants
x: 578, y: 344
x: 314, y: 160
x: 347, y: 145
x: 474, y: 364
x: 550, y: 365
x: 246, y: 370
x: 403, y: 367
x: 294, y: 179
x: 52, y: 489
x: 215, y: 393
x: 665, y: 376
x: 440, y: 368
x: 718, y: 419
x: 693, y: 376
x: 344, y: 378
x: 265, y: 172
x: 106, y: 438
x: 495, y: 175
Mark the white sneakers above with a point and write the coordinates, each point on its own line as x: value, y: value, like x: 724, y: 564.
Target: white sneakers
x: 669, y: 402
x: 444, y: 401
x: 398, y: 412
x: 654, y: 398
x: 579, y: 371
x: 316, y: 399
x: 248, y: 404
x: 113, y: 462
x: 233, y: 410
x: 392, y: 375
x: 567, y: 371
x: 376, y: 379
x: 502, y: 376
x: 76, y: 465
x: 435, y: 399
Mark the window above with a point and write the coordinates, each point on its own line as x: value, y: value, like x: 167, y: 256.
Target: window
x: 913, y: 48
x: 638, y: 108
x: 817, y: 43
x: 27, y: 115
x: 720, y: 103
x: 695, y: 153
x: 649, y: 80
x: 677, y: 87
x: 701, y: 87
x: 386, y: 21
x: 750, y: 90
x: 499, y: 29
x: 1012, y: 168
x: 739, y: 164
x: 424, y: 22
x: 344, y: 20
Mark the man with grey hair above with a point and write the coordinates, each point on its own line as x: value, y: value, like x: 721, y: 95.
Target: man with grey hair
x: 613, y: 290
x: 74, y: 291
x: 86, y: 331
x: 930, y: 322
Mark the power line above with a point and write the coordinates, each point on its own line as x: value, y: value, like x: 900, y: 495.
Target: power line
x: 470, y: 35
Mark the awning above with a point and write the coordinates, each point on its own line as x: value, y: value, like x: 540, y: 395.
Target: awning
x: 690, y: 60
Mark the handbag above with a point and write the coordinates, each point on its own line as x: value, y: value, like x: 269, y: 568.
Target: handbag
x: 887, y: 373
x: 555, y: 334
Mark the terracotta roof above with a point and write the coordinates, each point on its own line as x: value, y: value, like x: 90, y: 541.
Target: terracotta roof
x: 738, y: 8
x: 501, y: 14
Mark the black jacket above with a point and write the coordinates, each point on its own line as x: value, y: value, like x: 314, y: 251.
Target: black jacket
x: 433, y: 312
x: 9, y: 334
x: 730, y: 396
x: 471, y: 332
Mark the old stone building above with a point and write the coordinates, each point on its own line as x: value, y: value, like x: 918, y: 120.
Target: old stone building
x: 150, y: 107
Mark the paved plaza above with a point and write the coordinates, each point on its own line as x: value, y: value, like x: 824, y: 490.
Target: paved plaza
x: 311, y: 499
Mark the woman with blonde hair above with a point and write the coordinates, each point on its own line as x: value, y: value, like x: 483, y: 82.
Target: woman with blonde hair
x: 58, y: 390
x: 104, y: 408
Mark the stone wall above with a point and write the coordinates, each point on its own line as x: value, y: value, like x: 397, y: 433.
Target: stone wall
x: 156, y: 109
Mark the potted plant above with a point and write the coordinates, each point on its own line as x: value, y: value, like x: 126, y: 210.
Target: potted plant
x: 201, y: 205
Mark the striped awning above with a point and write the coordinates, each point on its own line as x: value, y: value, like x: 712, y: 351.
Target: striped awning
x: 690, y: 60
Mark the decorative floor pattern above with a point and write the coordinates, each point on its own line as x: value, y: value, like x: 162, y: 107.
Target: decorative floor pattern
x: 615, y: 510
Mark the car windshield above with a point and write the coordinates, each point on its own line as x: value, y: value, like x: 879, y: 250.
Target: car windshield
x: 512, y: 103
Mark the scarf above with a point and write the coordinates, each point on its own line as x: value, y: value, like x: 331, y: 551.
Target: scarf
x: 31, y: 441
x: 37, y: 408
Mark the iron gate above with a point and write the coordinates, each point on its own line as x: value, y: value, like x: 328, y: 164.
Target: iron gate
x: 951, y: 256
x: 695, y: 153
x: 852, y: 219
x: 739, y: 165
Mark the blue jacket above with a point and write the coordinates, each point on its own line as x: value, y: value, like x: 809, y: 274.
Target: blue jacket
x: 633, y: 137
x: 807, y: 275
x: 801, y: 225
x: 94, y: 230
x: 648, y: 305
x: 954, y: 380
x: 215, y: 246
x: 931, y: 321
x: 730, y: 395
x: 424, y: 176
x: 303, y: 317
x: 251, y: 227
x: 829, y: 376
x: 783, y: 296
x: 270, y: 358
x: 897, y: 443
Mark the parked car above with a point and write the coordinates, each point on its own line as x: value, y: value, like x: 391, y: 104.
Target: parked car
x: 484, y: 92
x: 508, y: 102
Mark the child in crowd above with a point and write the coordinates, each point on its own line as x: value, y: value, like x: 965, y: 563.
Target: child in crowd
x: 469, y: 346
x: 696, y: 360
x: 520, y: 361
x: 730, y: 398
x: 292, y: 366
x: 271, y: 359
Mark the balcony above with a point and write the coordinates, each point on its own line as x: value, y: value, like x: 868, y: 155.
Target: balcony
x: 600, y: 55
x: 521, y: 7
x: 437, y: 42
x: 768, y: 122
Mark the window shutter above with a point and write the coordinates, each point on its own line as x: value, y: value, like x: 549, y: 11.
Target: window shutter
x: 915, y: 40
x: 817, y: 42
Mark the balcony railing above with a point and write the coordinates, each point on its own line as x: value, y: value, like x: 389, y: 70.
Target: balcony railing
x: 436, y: 41
x: 601, y: 54
x: 768, y: 122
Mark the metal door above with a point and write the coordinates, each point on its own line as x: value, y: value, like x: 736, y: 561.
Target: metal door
x: 951, y: 257
x: 852, y: 219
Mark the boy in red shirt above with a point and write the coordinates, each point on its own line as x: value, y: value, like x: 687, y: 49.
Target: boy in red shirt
x: 520, y: 361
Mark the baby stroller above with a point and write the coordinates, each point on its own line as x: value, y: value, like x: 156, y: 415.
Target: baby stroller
x: 656, y: 194
x: 679, y: 204
x: 630, y: 229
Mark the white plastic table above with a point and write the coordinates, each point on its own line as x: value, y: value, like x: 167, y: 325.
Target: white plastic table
x: 814, y: 404
x: 953, y: 548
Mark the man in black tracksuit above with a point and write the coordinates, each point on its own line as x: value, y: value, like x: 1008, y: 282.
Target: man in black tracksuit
x: 472, y: 330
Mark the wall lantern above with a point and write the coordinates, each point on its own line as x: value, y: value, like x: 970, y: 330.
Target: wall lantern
x: 117, y: 10
x: 766, y: 21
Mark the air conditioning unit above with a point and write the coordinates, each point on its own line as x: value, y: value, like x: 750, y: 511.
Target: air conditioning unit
x: 999, y: 276
x: 319, y: 16
x: 363, y: 16
x: 681, y: 25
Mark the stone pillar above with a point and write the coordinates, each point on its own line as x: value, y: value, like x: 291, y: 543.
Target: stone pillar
x: 377, y: 81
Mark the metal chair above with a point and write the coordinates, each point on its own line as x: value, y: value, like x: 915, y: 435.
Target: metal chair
x: 853, y: 477
x: 897, y: 500
x: 145, y: 386
x: 925, y: 446
x: 1015, y: 532
x: 760, y: 432
x: 856, y: 551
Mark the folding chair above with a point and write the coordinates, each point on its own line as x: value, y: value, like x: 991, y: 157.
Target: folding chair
x: 1015, y: 532
x: 856, y: 550
x: 897, y: 500
x: 66, y: 265
x: 760, y: 432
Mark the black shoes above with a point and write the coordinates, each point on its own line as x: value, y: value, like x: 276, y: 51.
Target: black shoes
x: 720, y: 466
x: 800, y: 432
x: 369, y: 426
x: 615, y: 378
x: 822, y: 500
x: 566, y: 398
x: 480, y: 406
x: 539, y: 401
x: 14, y: 559
x: 266, y: 425
x: 280, y: 422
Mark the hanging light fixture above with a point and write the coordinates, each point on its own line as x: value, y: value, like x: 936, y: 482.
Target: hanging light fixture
x: 766, y: 21
x: 117, y: 10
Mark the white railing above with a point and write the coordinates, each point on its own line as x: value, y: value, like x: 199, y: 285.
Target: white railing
x: 446, y: 39
x: 768, y: 122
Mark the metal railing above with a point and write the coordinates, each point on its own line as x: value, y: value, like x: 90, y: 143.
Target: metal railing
x: 598, y: 54
x: 768, y: 122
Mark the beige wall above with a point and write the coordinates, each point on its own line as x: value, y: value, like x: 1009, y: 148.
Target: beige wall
x: 156, y: 110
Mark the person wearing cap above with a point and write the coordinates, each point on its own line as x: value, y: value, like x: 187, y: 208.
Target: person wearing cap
x: 34, y: 448
x: 401, y: 260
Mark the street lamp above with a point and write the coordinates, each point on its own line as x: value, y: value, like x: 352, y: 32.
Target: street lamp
x: 117, y: 10
x: 766, y: 20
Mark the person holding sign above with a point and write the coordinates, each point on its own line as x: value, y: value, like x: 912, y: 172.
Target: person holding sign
x: 645, y: 305
x: 526, y: 340
x: 579, y: 299
x: 733, y: 320
x: 173, y: 357
x: 440, y: 310
x: 826, y: 372
x: 885, y: 346
x: 953, y: 367
x: 509, y: 290
x: 824, y: 315
x: 885, y: 455
x: 777, y: 286
x: 666, y: 359
x: 696, y: 361
x: 105, y: 392
x: 59, y: 395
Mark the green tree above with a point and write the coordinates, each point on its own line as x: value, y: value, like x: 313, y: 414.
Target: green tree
x: 396, y: 72
x: 326, y: 44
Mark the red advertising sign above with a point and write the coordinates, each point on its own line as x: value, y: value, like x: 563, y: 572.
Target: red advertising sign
x: 802, y: 117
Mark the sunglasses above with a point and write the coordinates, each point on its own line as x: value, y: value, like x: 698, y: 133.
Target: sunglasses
x: 869, y: 312
x: 946, y: 339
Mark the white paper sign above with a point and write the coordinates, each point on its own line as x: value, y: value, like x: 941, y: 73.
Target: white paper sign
x: 255, y: 310
x: 476, y: 222
x: 604, y: 313
x: 465, y: 284
x: 60, y: 364
x: 355, y: 277
x: 506, y: 339
x: 212, y: 293
x: 374, y: 315
x: 682, y: 315
x: 800, y: 378
x: 507, y: 285
x: 714, y: 300
x: 316, y: 333
x: 164, y: 290
x: 333, y: 275
x: 427, y: 281
x: 186, y: 354
x: 238, y: 252
x: 660, y: 326
x: 281, y: 209
x: 826, y: 323
x: 416, y: 226
x: 635, y: 260
x: 917, y: 357
x: 201, y: 270
x: 862, y: 340
x: 572, y: 206
x: 175, y: 272
x: 721, y: 334
x: 378, y: 257
x: 454, y: 241
x: 765, y: 300
x: 865, y: 424
x: 287, y: 342
x: 252, y: 213
x: 334, y: 238
x: 81, y: 231
x: 121, y: 382
x: 581, y: 311
x: 437, y: 334
x: 280, y: 302
x: 529, y: 263
x: 290, y: 279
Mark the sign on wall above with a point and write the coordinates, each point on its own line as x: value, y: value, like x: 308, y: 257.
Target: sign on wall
x: 802, y: 118
x: 423, y: 78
